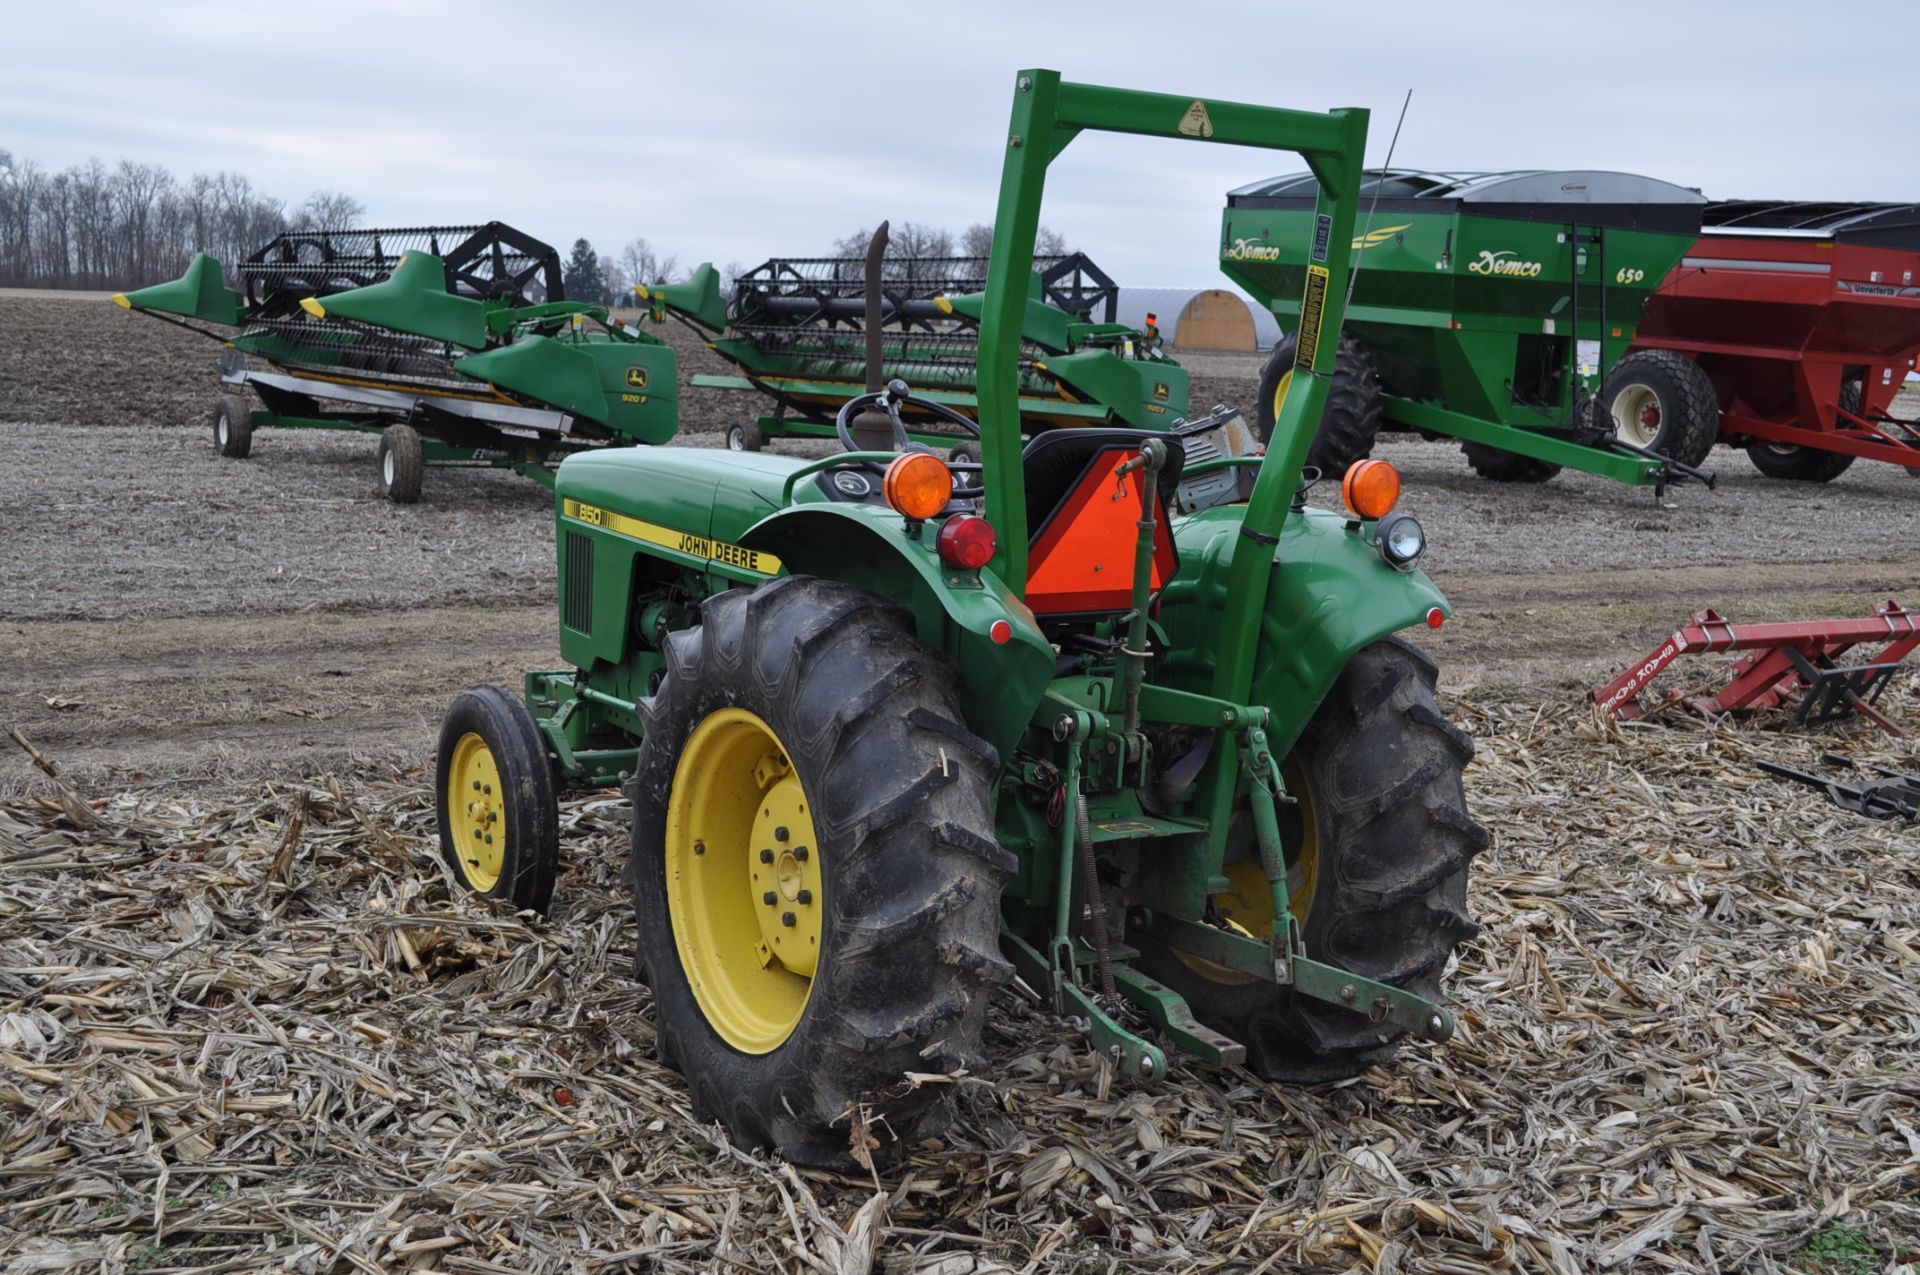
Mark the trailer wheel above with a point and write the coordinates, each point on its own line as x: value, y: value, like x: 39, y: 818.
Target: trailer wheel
x: 746, y: 438
x: 967, y: 453
x: 1378, y: 853
x: 402, y: 464
x: 814, y: 869
x: 1808, y: 464
x: 1352, y: 418
x: 1664, y: 402
x: 1500, y: 466
x: 232, y: 427
x: 499, y: 816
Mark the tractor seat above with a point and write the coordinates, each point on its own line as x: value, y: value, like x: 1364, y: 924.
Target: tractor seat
x: 1082, y: 527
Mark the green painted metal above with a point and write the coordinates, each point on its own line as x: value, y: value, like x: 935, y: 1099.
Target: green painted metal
x: 1476, y: 322
x: 197, y: 294
x: 413, y: 299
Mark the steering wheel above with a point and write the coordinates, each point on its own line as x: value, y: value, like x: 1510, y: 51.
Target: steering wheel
x: 891, y: 400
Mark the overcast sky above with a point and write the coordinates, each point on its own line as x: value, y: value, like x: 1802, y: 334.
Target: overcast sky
x: 735, y: 131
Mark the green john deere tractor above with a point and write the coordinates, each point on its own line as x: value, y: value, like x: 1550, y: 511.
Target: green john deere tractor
x: 896, y: 727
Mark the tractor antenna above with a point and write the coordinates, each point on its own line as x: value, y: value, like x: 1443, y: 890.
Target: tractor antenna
x: 1353, y: 274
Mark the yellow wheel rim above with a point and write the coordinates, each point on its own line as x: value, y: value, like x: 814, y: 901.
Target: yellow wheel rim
x: 1247, y: 904
x: 474, y: 802
x: 1280, y: 392
x: 746, y: 889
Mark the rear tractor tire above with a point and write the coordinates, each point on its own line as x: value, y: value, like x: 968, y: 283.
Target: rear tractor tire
x: 1352, y: 418
x: 499, y: 815
x: 1664, y: 402
x: 232, y: 427
x: 814, y: 871
x: 1378, y: 851
x: 403, y: 464
x: 1807, y: 464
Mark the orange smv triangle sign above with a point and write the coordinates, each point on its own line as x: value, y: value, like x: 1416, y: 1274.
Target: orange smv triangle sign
x: 1082, y: 558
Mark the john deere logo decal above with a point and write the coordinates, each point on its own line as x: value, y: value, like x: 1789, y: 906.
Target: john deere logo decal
x: 1196, y: 122
x: 1250, y: 250
x: 637, y: 377
x: 1374, y: 238
x: 1160, y: 390
x: 1504, y: 264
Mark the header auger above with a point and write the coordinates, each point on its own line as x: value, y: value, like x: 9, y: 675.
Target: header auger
x: 895, y: 727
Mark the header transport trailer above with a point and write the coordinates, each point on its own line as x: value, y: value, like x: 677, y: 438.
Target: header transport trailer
x: 455, y: 344
x: 1806, y: 319
x: 798, y: 328
x: 1485, y: 306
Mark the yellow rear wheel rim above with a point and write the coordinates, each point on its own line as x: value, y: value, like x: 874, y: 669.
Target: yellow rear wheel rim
x: 1246, y: 904
x: 474, y: 803
x: 746, y: 890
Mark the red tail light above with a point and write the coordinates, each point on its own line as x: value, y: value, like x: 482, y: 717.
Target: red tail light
x: 967, y: 542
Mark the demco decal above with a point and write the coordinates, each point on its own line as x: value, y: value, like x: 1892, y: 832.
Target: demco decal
x: 1505, y: 264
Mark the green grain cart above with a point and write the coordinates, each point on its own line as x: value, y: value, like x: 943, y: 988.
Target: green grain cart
x: 1485, y: 308
x: 896, y: 727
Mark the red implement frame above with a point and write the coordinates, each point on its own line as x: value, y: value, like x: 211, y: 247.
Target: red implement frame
x: 1784, y: 306
x: 1784, y: 660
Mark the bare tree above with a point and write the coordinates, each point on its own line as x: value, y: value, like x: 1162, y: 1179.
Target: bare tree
x: 638, y: 263
x: 329, y: 210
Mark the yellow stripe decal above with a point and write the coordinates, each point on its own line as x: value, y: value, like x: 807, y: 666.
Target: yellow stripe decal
x: 720, y: 551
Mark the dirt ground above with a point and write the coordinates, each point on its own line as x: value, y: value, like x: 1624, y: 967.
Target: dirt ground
x: 192, y: 639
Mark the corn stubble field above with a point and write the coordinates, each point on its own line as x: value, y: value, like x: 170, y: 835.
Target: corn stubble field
x: 246, y: 1023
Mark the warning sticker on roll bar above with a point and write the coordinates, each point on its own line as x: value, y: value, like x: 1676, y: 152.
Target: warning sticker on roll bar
x: 1313, y: 308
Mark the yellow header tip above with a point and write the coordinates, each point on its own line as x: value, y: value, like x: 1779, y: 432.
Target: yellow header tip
x: 120, y: 299
x: 943, y: 305
x: 313, y: 307
x: 640, y: 290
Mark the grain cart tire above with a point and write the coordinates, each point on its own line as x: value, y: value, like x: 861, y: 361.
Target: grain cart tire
x: 1807, y: 464
x: 403, y: 464
x: 965, y: 454
x: 814, y: 869
x: 1352, y: 419
x: 746, y: 438
x: 232, y: 427
x: 499, y: 816
x: 1378, y: 847
x: 1664, y: 402
x: 1496, y: 465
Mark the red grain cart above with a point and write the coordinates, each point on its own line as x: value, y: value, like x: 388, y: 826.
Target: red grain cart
x: 1806, y: 317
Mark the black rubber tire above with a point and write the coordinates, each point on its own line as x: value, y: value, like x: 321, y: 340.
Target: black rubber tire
x: 903, y: 793
x: 1689, y: 407
x: 746, y: 438
x: 1351, y: 421
x: 233, y: 427
x: 1807, y: 464
x: 967, y: 453
x: 1500, y: 466
x: 403, y: 464
x: 530, y: 806
x: 1383, y: 776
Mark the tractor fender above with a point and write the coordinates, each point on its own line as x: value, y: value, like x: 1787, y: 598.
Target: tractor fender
x: 1328, y: 597
x: 953, y: 612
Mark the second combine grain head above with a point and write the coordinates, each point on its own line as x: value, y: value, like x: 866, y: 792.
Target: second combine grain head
x: 798, y: 328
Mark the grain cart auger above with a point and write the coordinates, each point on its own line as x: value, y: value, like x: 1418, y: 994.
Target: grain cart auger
x: 891, y: 736
x: 797, y: 329
x: 455, y: 344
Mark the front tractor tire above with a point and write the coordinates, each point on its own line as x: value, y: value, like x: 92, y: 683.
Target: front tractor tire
x: 499, y: 813
x: 1378, y: 851
x: 1352, y: 418
x: 814, y: 870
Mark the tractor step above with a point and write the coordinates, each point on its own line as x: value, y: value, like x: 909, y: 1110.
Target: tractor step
x: 1785, y: 661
